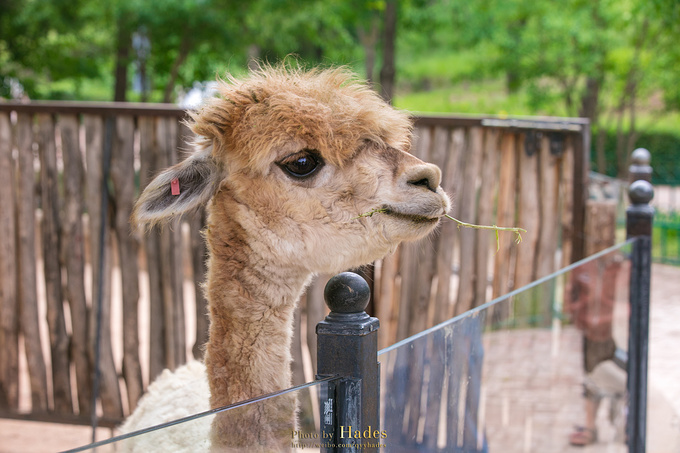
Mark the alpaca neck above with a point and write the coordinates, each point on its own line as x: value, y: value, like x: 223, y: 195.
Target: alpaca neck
x: 251, y: 313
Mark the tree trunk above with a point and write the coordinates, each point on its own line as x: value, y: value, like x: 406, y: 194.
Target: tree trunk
x: 589, y: 109
x: 589, y: 101
x: 600, y: 155
x: 632, y: 116
x: 513, y: 81
x: 369, y: 40
x: 253, y: 57
x: 621, y: 167
x: 625, y: 141
x: 184, y: 48
x: 144, y: 81
x: 568, y: 88
x: 122, y: 61
x: 389, y: 37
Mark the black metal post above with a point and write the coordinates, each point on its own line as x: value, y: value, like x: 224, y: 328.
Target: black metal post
x: 639, y: 166
x: 639, y: 219
x: 348, y: 349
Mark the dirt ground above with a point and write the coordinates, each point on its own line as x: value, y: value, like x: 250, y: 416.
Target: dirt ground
x: 664, y: 391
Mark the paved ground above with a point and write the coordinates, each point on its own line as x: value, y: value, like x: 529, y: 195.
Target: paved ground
x: 531, y: 396
x: 533, y: 391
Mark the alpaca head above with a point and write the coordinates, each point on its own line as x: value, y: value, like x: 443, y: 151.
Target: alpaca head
x: 293, y: 157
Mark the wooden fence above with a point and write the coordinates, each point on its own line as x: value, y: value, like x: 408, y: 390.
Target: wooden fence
x: 56, y: 158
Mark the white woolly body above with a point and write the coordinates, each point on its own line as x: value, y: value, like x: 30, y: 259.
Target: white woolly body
x: 173, y: 395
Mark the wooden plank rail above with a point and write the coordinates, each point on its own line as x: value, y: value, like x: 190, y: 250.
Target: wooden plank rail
x: 487, y: 195
x: 73, y: 255
x: 123, y: 179
x: 26, y: 259
x: 9, y: 302
x: 54, y: 152
x: 443, y: 308
x: 98, y: 137
x: 52, y: 254
x: 150, y: 165
x: 505, y: 215
x: 468, y: 213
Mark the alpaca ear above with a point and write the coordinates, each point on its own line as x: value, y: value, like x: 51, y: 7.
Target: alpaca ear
x: 179, y: 189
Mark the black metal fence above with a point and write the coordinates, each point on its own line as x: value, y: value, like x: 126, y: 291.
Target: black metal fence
x: 639, y: 222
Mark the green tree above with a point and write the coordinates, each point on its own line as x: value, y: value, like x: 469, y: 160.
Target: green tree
x: 176, y: 42
x: 44, y: 42
x: 596, y: 59
x: 184, y: 35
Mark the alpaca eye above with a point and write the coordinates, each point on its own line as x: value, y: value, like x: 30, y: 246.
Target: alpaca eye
x: 302, y: 164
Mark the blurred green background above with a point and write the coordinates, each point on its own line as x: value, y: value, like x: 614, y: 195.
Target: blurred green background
x: 616, y: 62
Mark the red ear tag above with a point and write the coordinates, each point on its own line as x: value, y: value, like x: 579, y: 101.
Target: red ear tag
x: 174, y: 186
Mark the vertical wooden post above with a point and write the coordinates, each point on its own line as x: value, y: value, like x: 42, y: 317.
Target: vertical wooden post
x: 447, y: 234
x: 549, y: 221
x: 28, y: 290
x: 177, y: 258
x: 171, y: 259
x: 487, y: 195
x: 198, y: 258
x: 460, y: 154
x: 51, y: 226
x: 99, y: 137
x: 73, y: 251
x: 123, y: 178
x: 149, y: 154
x: 567, y: 200
x: 581, y: 162
x: 9, y: 302
x: 468, y: 213
x: 528, y: 216
x: 446, y: 157
x: 417, y: 301
x: 315, y: 311
x: 505, y: 213
x: 418, y: 266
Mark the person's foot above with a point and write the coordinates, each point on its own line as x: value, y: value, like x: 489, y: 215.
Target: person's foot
x: 582, y: 436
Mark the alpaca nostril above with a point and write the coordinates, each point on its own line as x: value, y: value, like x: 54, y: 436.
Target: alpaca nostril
x: 422, y: 182
x: 427, y: 176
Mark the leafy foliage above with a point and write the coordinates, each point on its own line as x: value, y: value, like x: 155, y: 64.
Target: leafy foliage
x: 665, y: 149
x: 613, y: 61
x: 47, y: 41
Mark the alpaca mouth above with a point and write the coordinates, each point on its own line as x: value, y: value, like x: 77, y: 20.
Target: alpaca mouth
x: 411, y: 217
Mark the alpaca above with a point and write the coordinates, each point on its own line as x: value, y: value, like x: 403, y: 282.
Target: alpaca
x: 286, y: 161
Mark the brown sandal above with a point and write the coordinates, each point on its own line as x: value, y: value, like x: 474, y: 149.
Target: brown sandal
x: 582, y: 436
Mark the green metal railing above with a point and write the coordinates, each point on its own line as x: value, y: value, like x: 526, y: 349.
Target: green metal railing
x: 666, y: 244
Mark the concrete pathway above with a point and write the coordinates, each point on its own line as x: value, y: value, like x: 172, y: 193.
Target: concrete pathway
x: 533, y: 382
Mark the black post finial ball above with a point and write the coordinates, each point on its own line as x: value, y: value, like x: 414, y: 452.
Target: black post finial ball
x: 641, y: 156
x: 347, y: 292
x: 640, y: 192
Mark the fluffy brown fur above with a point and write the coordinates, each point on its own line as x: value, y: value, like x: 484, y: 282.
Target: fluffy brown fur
x: 269, y: 231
